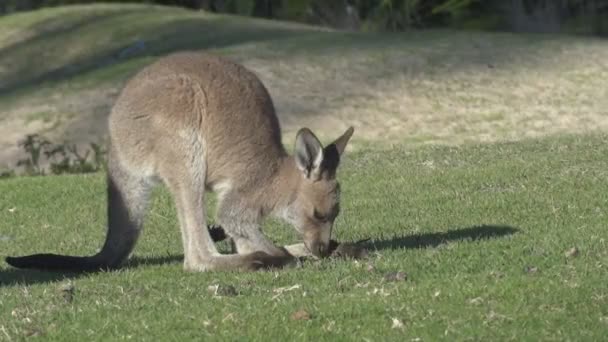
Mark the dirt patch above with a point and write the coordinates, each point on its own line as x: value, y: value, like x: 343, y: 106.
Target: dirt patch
x: 472, y: 88
x: 12, y: 131
x: 79, y: 119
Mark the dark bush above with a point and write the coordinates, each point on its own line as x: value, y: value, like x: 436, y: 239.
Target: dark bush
x: 585, y: 16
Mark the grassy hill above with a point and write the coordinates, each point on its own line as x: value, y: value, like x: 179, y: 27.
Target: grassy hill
x: 61, y: 69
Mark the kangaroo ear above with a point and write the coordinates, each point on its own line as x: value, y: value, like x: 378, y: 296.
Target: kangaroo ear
x: 343, y: 140
x: 308, y: 152
x: 333, y: 151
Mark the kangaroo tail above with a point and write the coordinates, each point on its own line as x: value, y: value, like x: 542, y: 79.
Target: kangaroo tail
x: 127, y: 200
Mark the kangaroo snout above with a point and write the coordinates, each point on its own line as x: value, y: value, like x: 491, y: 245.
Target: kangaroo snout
x: 317, y: 239
x: 319, y: 249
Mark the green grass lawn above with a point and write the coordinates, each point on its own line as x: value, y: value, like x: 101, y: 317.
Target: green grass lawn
x: 481, y: 231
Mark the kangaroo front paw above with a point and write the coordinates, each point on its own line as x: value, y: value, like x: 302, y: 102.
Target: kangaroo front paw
x: 261, y: 260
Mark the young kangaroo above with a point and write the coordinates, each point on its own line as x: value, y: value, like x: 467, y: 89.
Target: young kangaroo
x: 198, y: 122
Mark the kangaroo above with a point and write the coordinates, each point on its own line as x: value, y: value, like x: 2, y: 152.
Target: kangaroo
x: 198, y: 122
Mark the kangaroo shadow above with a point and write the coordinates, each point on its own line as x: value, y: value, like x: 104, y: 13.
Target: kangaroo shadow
x: 137, y: 261
x: 20, y: 277
x: 426, y: 240
x: 24, y: 277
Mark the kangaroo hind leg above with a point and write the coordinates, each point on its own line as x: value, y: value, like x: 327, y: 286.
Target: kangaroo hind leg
x: 184, y: 173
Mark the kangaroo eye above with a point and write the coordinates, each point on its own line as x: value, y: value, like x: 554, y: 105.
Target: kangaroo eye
x: 320, y: 217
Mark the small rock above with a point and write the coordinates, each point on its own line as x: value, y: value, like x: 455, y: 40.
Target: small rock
x: 222, y: 290
x: 572, y: 252
x: 531, y: 269
x: 397, y: 324
x: 476, y: 300
x: 67, y: 292
x: 300, y: 315
x: 370, y: 268
x: 395, y: 276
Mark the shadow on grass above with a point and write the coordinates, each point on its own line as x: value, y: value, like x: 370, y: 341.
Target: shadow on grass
x: 19, y: 277
x: 22, y: 277
x: 426, y: 240
x: 137, y: 261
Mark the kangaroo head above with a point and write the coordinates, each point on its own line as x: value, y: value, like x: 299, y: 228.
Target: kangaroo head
x: 317, y: 197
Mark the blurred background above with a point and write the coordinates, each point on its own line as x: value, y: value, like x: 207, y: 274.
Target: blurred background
x: 407, y: 72
x: 582, y: 16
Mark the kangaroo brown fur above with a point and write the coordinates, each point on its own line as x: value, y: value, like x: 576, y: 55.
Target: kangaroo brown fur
x: 198, y: 122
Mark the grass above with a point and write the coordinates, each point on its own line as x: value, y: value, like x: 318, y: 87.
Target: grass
x: 480, y: 230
